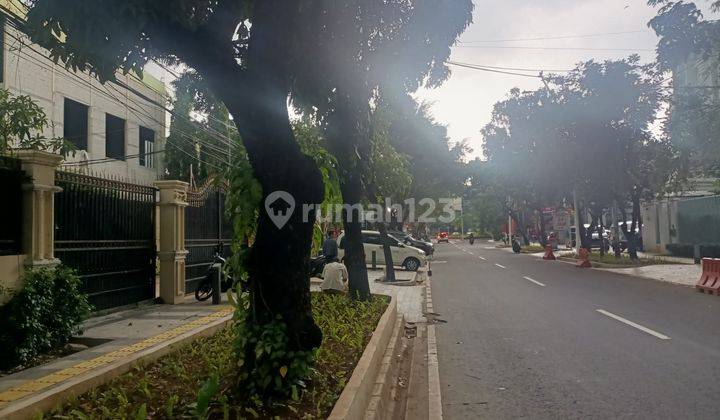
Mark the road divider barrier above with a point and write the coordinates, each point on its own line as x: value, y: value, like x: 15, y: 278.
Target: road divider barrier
x: 710, y: 278
x: 549, y: 256
x: 584, y: 255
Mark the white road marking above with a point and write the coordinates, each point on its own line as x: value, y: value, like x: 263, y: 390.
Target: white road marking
x: 632, y: 324
x: 439, y: 262
x: 534, y: 281
x: 482, y: 258
x: 434, y: 392
x: 489, y: 247
x: 498, y: 265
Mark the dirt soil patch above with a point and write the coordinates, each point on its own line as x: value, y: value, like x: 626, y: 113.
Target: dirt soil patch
x: 168, y: 388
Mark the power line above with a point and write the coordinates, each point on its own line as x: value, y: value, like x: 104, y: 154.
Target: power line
x: 555, y: 48
x: 15, y: 23
x: 85, y: 84
x: 111, y: 159
x: 519, y: 69
x: 548, y: 38
x: 473, y: 67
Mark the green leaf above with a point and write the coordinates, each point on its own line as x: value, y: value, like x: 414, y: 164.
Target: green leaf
x: 207, y: 391
x: 142, y: 412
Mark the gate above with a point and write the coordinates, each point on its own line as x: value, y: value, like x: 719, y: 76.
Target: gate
x: 206, y: 229
x: 11, y: 211
x: 105, y: 229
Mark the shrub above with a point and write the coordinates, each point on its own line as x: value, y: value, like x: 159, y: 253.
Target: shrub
x: 42, y: 316
x: 688, y: 251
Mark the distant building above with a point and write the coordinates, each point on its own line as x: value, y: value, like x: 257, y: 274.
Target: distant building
x: 691, y: 217
x: 117, y: 132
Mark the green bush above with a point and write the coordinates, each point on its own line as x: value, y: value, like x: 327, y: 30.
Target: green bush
x: 42, y: 316
x: 688, y: 251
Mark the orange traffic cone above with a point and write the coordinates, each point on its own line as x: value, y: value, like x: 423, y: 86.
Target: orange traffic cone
x: 584, y: 258
x: 549, y: 256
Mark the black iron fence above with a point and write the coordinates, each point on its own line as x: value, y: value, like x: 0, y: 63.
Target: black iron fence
x: 106, y: 230
x: 206, y: 230
x: 11, y: 211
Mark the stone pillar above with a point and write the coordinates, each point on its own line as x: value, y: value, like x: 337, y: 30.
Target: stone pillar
x: 173, y: 200
x: 38, y: 223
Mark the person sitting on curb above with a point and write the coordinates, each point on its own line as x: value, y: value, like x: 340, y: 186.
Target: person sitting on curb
x: 335, y: 277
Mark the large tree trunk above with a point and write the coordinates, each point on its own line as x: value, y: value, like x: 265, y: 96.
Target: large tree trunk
x: 279, y: 259
x: 351, y: 148
x: 358, y: 284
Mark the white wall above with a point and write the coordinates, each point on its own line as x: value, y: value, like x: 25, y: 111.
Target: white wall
x: 28, y: 70
x: 659, y: 221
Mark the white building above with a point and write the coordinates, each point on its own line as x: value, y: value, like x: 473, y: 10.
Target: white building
x: 117, y: 132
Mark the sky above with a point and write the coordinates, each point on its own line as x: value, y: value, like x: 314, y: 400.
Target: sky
x: 465, y: 101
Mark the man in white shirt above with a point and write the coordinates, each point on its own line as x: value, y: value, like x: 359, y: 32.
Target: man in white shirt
x: 335, y: 277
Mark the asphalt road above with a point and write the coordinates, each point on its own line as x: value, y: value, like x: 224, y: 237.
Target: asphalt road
x: 527, y: 338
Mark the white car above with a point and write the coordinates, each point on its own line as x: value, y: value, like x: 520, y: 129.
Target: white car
x: 409, y: 257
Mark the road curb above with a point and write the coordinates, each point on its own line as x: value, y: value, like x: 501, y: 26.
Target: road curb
x: 369, y: 379
x: 61, y: 387
x: 434, y: 389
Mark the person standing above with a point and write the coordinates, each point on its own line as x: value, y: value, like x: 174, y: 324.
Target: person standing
x: 330, y: 248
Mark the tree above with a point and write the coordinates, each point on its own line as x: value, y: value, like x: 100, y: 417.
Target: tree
x: 526, y: 149
x: 201, y: 138
x: 240, y: 48
x: 586, y: 132
x: 483, y: 209
x: 368, y: 48
x: 388, y: 178
x: 688, y: 44
x: 22, y: 123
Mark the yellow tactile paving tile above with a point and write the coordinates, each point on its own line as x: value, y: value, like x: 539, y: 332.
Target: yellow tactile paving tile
x: 53, y: 378
x: 36, y: 385
x: 13, y: 394
x: 33, y: 386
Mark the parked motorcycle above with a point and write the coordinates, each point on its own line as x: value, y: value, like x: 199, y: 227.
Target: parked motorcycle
x: 206, y: 288
x: 317, y: 264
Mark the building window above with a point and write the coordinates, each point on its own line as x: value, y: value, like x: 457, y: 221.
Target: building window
x: 75, y: 122
x: 114, y: 137
x: 147, y: 147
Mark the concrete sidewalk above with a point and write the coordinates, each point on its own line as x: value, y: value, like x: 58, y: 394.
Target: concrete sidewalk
x: 111, y: 339
x: 409, y: 298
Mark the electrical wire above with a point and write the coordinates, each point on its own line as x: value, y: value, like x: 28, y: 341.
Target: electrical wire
x: 473, y: 67
x: 520, y: 69
x: 548, y: 38
x: 512, y: 47
x: 85, y: 84
x: 111, y: 159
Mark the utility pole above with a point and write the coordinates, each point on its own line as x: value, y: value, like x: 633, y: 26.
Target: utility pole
x: 616, y: 226
x: 462, y: 223
x: 509, y: 223
x: 577, y: 222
